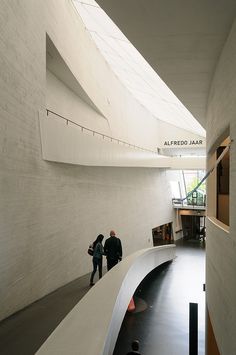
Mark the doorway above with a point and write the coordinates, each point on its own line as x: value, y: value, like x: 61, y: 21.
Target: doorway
x: 162, y: 234
x: 193, y: 227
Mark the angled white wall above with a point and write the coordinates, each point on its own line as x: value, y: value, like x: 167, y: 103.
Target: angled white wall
x: 128, y: 120
x: 64, y: 101
x: 68, y: 144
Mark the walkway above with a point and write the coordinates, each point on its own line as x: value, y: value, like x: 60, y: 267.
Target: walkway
x: 160, y: 321
x: 24, y: 332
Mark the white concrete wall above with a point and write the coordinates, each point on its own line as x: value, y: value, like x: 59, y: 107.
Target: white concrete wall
x: 64, y: 142
x: 173, y: 133
x: 23, y: 237
x: 62, y: 100
x: 124, y: 117
x: 221, y: 245
x: 128, y: 119
x: 50, y: 212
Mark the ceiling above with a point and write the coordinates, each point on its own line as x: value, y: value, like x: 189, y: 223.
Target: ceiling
x: 181, y: 39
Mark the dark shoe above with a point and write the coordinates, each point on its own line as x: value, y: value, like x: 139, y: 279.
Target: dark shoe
x: 92, y: 284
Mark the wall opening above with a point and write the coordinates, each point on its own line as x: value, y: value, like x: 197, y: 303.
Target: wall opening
x: 194, y: 226
x: 162, y: 234
x: 222, y: 185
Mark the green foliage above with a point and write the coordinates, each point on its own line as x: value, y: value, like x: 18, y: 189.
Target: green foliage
x: 199, y: 196
x: 195, y: 181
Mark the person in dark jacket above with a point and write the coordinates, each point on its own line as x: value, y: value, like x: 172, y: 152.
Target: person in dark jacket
x: 113, y: 250
x: 135, y: 348
x: 98, y: 252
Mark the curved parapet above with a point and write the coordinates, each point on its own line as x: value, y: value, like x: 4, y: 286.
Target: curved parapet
x: 93, y: 325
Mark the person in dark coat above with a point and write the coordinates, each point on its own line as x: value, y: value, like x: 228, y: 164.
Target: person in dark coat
x: 113, y: 250
x: 135, y: 348
x: 97, y: 257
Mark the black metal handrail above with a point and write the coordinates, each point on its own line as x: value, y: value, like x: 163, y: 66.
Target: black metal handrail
x: 112, y: 139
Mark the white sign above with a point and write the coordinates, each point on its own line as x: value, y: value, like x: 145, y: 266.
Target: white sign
x: 184, y: 143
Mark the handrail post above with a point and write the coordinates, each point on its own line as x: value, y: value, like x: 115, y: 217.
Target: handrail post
x: 193, y: 329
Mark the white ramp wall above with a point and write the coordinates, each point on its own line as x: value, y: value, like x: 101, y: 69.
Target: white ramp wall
x: 93, y: 325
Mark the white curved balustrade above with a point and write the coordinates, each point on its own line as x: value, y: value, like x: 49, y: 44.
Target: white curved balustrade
x: 92, y: 327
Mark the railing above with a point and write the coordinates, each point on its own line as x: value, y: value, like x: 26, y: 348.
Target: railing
x: 180, y: 203
x: 112, y: 139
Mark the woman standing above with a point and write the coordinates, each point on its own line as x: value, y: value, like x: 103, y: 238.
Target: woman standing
x: 97, y: 257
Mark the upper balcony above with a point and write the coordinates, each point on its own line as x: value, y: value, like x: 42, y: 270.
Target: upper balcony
x: 191, y: 203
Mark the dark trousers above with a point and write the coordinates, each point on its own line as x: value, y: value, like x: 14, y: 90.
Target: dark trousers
x: 97, y: 263
x: 111, y: 263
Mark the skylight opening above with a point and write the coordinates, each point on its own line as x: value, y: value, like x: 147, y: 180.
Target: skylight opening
x: 133, y: 70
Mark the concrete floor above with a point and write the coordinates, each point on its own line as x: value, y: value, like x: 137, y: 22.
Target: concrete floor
x: 25, y: 331
x: 162, y: 327
x: 160, y: 321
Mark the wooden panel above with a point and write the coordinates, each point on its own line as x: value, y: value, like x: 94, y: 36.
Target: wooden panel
x: 212, y: 348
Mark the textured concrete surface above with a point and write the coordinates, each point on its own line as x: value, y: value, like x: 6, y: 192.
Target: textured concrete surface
x: 49, y: 212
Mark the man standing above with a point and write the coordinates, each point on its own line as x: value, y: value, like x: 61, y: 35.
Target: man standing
x: 113, y: 250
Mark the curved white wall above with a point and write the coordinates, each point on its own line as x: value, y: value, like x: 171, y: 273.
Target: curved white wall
x: 93, y: 324
x: 221, y: 245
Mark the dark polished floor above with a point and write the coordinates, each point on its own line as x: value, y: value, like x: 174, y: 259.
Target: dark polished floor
x: 160, y: 320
